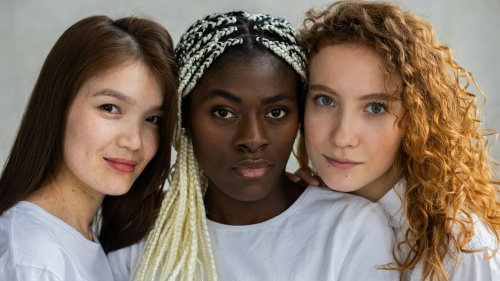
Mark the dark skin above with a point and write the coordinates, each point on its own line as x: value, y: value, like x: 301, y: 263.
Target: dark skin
x: 243, y: 119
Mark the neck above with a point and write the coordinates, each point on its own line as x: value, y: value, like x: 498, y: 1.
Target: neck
x: 70, y: 203
x: 226, y: 210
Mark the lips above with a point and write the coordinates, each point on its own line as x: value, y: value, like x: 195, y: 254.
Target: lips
x: 121, y: 164
x: 252, y: 169
x: 343, y: 164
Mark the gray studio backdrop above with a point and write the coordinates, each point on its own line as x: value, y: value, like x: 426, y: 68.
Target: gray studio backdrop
x: 29, y: 28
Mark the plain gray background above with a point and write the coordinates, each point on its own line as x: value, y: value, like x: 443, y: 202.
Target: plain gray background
x: 29, y: 28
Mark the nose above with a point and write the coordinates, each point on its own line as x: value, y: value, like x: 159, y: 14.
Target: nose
x: 252, y: 135
x: 344, y: 132
x: 130, y: 137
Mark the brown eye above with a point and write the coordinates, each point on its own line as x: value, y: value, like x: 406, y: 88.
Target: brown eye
x: 223, y: 113
x: 154, y: 119
x: 109, y: 108
x: 276, y: 113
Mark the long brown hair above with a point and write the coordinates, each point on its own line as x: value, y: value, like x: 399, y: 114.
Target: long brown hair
x: 444, y: 152
x: 89, y: 47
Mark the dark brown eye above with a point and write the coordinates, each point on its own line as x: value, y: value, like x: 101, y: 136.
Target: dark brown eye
x: 276, y: 113
x: 109, y: 108
x: 154, y: 119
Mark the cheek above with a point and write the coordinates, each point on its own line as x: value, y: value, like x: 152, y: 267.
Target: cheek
x: 384, y: 142
x: 151, y: 143
x: 84, y: 134
x: 286, y: 138
x: 316, y: 128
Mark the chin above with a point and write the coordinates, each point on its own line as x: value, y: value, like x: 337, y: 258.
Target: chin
x: 117, y: 190
x: 337, y: 185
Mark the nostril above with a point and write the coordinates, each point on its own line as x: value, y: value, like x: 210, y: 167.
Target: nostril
x: 252, y: 148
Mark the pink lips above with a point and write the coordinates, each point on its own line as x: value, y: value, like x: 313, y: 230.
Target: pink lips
x: 252, y: 169
x: 343, y: 164
x: 121, y: 164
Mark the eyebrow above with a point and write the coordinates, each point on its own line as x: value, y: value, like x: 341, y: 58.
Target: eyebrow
x: 121, y: 97
x: 277, y: 98
x: 320, y: 87
x: 111, y: 93
x: 229, y: 96
x: 223, y: 94
x: 374, y: 96
x: 377, y: 96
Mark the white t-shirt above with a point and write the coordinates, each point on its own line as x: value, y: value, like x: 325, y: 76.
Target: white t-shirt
x: 471, y: 266
x: 324, y: 235
x: 35, y: 245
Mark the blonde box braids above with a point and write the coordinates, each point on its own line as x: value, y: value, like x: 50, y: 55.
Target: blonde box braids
x: 178, y: 248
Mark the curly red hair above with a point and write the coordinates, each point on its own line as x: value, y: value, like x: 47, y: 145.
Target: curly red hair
x: 444, y: 153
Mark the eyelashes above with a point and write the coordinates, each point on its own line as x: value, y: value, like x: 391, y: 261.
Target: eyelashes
x: 115, y: 110
x: 374, y: 107
x: 154, y: 119
x: 111, y: 108
x: 324, y: 100
x: 223, y: 113
x: 377, y: 108
x: 275, y: 113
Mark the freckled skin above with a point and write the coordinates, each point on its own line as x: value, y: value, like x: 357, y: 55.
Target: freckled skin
x: 111, y: 134
x: 101, y: 127
x: 350, y: 128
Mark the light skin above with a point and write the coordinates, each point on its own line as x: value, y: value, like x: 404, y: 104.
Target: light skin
x: 243, y: 120
x: 111, y: 134
x: 350, y: 122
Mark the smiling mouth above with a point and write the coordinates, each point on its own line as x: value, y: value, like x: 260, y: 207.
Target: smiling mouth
x: 341, y: 164
x: 121, y: 165
x: 252, y: 172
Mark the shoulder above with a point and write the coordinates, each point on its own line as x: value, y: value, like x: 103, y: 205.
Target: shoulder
x: 28, y: 244
x: 340, y: 200
x: 22, y: 232
x: 483, y: 236
x: 345, y: 203
x: 30, y: 253
x: 480, y: 264
x: 124, y: 261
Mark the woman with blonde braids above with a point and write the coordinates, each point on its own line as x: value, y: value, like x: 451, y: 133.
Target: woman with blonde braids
x: 230, y: 212
x: 389, y: 117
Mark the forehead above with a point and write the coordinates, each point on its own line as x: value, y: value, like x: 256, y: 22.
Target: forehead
x: 347, y: 67
x: 247, y: 75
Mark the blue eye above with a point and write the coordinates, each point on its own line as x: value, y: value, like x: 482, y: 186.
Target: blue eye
x: 276, y: 113
x: 324, y: 100
x: 223, y: 113
x: 110, y: 108
x: 154, y: 119
x: 376, y: 108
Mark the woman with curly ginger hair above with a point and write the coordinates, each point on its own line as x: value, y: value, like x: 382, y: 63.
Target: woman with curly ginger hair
x: 389, y: 116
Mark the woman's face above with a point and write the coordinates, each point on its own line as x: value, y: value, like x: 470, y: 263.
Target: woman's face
x: 112, y: 130
x: 351, y: 133
x: 243, y: 120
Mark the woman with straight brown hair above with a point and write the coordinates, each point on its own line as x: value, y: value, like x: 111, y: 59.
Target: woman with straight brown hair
x: 95, y: 134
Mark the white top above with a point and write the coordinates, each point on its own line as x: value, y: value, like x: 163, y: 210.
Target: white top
x: 324, y: 235
x: 35, y: 245
x: 471, y: 266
